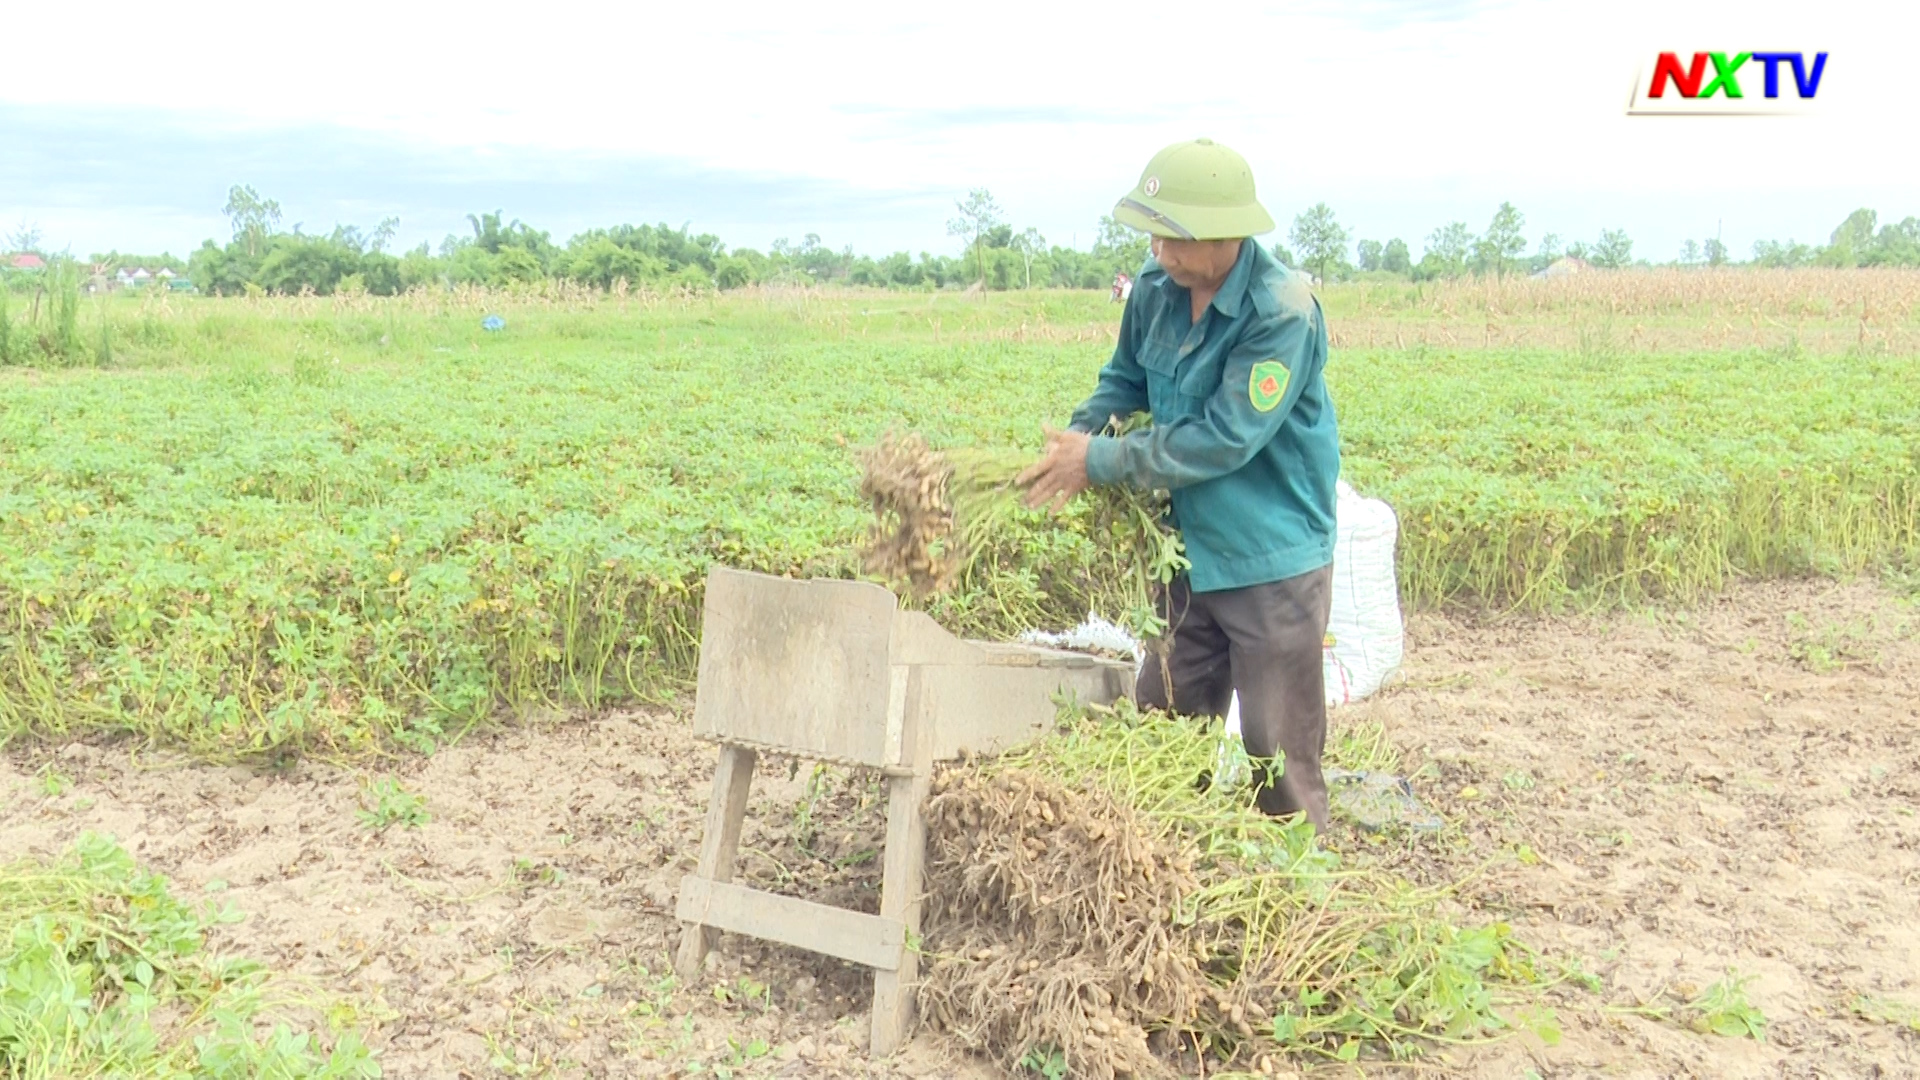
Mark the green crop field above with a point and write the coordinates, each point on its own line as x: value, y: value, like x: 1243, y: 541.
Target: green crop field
x: 297, y: 525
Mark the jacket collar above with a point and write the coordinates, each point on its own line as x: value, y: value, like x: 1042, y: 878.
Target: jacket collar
x: 1233, y: 291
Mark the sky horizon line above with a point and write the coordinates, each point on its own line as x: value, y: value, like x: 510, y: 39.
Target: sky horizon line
x: 190, y: 209
x: 864, y: 122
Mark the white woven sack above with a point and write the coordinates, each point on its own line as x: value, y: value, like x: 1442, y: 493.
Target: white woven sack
x: 1367, y: 635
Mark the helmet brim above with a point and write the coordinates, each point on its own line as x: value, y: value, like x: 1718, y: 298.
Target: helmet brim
x: 1177, y: 221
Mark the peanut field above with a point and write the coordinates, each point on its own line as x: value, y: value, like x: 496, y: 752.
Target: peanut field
x: 285, y: 525
x: 279, y: 575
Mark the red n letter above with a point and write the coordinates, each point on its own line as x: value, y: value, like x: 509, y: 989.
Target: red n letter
x: 1669, y: 68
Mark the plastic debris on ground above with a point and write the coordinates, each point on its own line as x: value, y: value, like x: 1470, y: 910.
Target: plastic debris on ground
x: 1377, y: 801
x: 1095, y: 634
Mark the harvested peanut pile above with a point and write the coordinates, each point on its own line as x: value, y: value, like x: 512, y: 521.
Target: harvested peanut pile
x: 1056, y: 919
x: 1091, y: 907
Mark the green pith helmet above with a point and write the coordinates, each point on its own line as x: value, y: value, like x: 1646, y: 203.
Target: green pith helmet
x: 1195, y: 190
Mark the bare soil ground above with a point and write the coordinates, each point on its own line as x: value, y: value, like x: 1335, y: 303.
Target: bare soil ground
x: 1733, y: 786
x: 1667, y: 795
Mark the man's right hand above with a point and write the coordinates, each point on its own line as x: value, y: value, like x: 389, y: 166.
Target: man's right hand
x: 1061, y: 472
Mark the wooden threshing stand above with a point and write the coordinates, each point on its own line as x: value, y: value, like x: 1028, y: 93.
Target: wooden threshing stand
x: 834, y: 671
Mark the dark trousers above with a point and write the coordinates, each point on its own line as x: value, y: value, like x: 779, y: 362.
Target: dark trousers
x: 1266, y: 642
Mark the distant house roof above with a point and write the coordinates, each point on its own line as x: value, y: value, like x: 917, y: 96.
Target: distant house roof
x: 26, y: 262
x: 1565, y: 265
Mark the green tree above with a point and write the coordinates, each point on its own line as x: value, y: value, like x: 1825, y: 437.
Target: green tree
x: 820, y: 262
x: 637, y: 253
x: 1068, y: 268
x: 381, y: 273
x: 1119, y: 249
x: 297, y: 263
x: 1004, y: 267
x: 1772, y: 253
x: 383, y: 234
x: 733, y: 272
x: 488, y: 235
x: 900, y: 269
x: 219, y: 271
x: 600, y: 262
x: 418, y: 267
x: 26, y: 238
x: 1031, y: 245
x: 494, y: 236
x: 1447, y: 250
x: 471, y: 264
x: 1321, y: 238
x: 1714, y: 251
x: 1852, y: 242
x: 1395, y: 257
x: 1368, y: 255
x: 1614, y: 250
x: 1546, y: 253
x: 1500, y: 249
x: 1896, y: 245
x: 254, y: 218
x: 979, y: 215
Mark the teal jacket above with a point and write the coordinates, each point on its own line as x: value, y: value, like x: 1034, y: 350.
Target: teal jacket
x: 1243, y: 433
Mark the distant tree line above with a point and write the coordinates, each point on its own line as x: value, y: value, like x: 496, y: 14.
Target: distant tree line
x: 261, y: 256
x: 1320, y: 244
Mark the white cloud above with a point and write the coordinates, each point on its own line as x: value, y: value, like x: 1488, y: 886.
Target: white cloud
x: 1399, y: 114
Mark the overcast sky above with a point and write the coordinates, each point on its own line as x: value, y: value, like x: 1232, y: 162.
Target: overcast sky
x: 123, y: 125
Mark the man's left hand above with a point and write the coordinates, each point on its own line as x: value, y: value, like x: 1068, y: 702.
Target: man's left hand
x: 1061, y: 472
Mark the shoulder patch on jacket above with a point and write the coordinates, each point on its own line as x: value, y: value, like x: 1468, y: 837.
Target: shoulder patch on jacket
x: 1267, y: 385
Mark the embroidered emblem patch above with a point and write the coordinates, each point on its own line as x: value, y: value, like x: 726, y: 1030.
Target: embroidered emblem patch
x: 1151, y: 187
x: 1268, y: 385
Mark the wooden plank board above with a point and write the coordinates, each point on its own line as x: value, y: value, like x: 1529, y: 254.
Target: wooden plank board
x: 800, y: 665
x: 990, y: 708
x: 849, y: 935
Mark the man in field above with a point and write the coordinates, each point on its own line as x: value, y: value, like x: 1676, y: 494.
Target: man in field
x: 1226, y: 348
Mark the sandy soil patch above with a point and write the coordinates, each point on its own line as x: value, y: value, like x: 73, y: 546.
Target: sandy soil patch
x: 1669, y: 795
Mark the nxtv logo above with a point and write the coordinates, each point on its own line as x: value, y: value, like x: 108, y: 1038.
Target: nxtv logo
x: 1709, y: 84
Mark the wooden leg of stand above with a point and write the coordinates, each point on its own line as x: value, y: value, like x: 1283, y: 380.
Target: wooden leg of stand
x: 900, y: 893
x: 902, y: 884
x: 725, y: 814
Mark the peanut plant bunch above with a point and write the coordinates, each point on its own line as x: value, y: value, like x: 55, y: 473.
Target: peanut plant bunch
x: 109, y: 974
x: 939, y: 515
